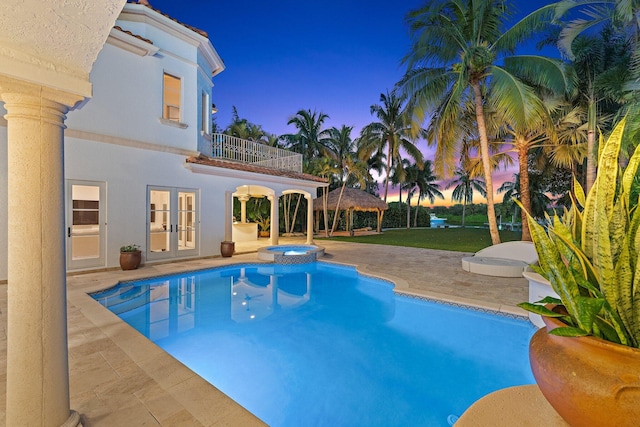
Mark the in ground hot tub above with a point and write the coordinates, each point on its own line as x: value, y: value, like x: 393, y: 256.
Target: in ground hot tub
x: 290, y: 254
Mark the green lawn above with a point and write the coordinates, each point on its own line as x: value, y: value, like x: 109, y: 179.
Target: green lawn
x: 450, y: 239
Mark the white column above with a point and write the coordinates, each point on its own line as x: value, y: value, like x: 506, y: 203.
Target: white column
x: 309, y: 219
x: 37, y: 358
x: 275, y: 220
x: 244, y: 198
x: 228, y: 216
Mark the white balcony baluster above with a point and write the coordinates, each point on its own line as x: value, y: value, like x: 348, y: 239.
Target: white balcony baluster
x: 240, y: 150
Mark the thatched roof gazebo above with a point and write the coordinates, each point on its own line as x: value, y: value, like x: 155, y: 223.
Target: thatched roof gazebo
x: 353, y: 200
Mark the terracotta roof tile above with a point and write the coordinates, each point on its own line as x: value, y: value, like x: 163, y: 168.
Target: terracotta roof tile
x: 194, y: 29
x: 117, y: 27
x: 208, y: 161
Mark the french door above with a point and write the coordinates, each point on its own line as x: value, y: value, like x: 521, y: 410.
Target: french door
x: 86, y: 224
x: 172, y: 223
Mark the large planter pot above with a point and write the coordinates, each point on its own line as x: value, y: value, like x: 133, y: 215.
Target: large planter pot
x: 130, y: 260
x: 588, y: 381
x: 227, y: 248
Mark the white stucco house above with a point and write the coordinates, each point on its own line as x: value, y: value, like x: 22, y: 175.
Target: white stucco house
x: 141, y: 165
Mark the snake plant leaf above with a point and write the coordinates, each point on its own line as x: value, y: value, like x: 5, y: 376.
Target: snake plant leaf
x: 618, y: 225
x: 629, y: 174
x: 562, y: 282
x: 624, y: 288
x: 588, y: 309
x: 599, y: 203
x: 549, y: 300
x: 567, y: 331
x: 578, y: 191
x: 539, y: 309
x: 607, y: 331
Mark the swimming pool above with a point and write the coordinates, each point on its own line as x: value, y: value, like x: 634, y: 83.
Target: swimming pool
x: 317, y: 344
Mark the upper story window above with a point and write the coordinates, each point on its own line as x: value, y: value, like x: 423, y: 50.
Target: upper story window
x: 206, y: 113
x: 171, y: 99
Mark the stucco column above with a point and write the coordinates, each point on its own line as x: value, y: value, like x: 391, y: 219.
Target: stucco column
x: 309, y: 219
x: 37, y: 359
x: 244, y: 198
x: 275, y: 220
x: 228, y: 216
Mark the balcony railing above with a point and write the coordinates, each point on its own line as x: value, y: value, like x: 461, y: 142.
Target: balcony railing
x: 240, y: 150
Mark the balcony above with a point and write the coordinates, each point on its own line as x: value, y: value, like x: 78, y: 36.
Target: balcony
x: 227, y: 147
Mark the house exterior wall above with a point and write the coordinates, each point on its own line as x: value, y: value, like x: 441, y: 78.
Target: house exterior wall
x: 118, y: 137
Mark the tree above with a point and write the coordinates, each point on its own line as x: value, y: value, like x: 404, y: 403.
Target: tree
x: 310, y: 137
x: 422, y: 180
x: 339, y: 146
x: 455, y: 55
x: 244, y: 129
x: 354, y: 169
x: 464, y: 184
x: 393, y: 131
x: 539, y: 200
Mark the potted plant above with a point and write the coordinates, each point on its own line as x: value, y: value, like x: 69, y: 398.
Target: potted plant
x: 130, y: 257
x: 587, y: 362
x: 264, y: 224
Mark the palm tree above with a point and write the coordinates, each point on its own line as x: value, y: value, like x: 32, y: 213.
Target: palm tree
x: 354, y: 169
x: 324, y: 167
x: 376, y: 162
x: 423, y: 181
x: 464, y: 184
x: 539, y: 200
x: 244, y: 129
x: 455, y: 56
x: 393, y: 131
x: 339, y: 146
x: 310, y: 136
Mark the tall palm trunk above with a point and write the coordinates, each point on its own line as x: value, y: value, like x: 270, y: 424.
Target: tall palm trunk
x: 325, y: 201
x: 408, y: 209
x: 335, y: 217
x: 415, y: 214
x: 525, y: 196
x: 591, y: 144
x: 464, y: 209
x: 486, y: 163
x: 386, y: 178
x: 295, y: 214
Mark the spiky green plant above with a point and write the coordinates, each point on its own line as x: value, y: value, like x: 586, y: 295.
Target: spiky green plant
x: 591, y: 254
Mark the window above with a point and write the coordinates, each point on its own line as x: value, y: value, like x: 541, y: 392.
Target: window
x: 171, y: 101
x: 205, y: 113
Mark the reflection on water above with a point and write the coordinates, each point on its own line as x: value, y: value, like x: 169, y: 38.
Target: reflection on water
x: 252, y: 299
x: 162, y: 307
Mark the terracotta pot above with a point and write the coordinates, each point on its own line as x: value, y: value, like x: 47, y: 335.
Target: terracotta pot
x: 264, y: 233
x: 227, y: 248
x: 588, y: 381
x: 130, y: 260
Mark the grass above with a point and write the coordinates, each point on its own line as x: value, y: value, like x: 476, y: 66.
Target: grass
x: 448, y: 239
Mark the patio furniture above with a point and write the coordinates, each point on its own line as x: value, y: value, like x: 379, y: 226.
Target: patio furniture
x: 508, y: 259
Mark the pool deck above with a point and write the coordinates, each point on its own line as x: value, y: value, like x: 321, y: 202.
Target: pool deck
x: 118, y: 377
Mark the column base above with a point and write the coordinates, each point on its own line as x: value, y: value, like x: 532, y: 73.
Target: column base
x: 73, y: 420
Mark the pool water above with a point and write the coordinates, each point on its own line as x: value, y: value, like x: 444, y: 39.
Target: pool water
x: 319, y: 345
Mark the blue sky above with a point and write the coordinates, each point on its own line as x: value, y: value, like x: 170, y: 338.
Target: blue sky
x: 335, y: 57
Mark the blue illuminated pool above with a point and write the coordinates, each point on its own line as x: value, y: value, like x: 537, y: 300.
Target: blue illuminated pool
x: 317, y: 344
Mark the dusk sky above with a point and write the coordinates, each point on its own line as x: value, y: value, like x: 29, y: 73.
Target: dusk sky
x: 335, y: 57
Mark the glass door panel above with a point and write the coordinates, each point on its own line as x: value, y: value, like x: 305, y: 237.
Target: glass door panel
x: 160, y: 227
x: 172, y: 222
x: 85, y: 224
x: 186, y: 220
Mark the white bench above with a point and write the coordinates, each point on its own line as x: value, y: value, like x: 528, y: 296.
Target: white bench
x: 508, y: 259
